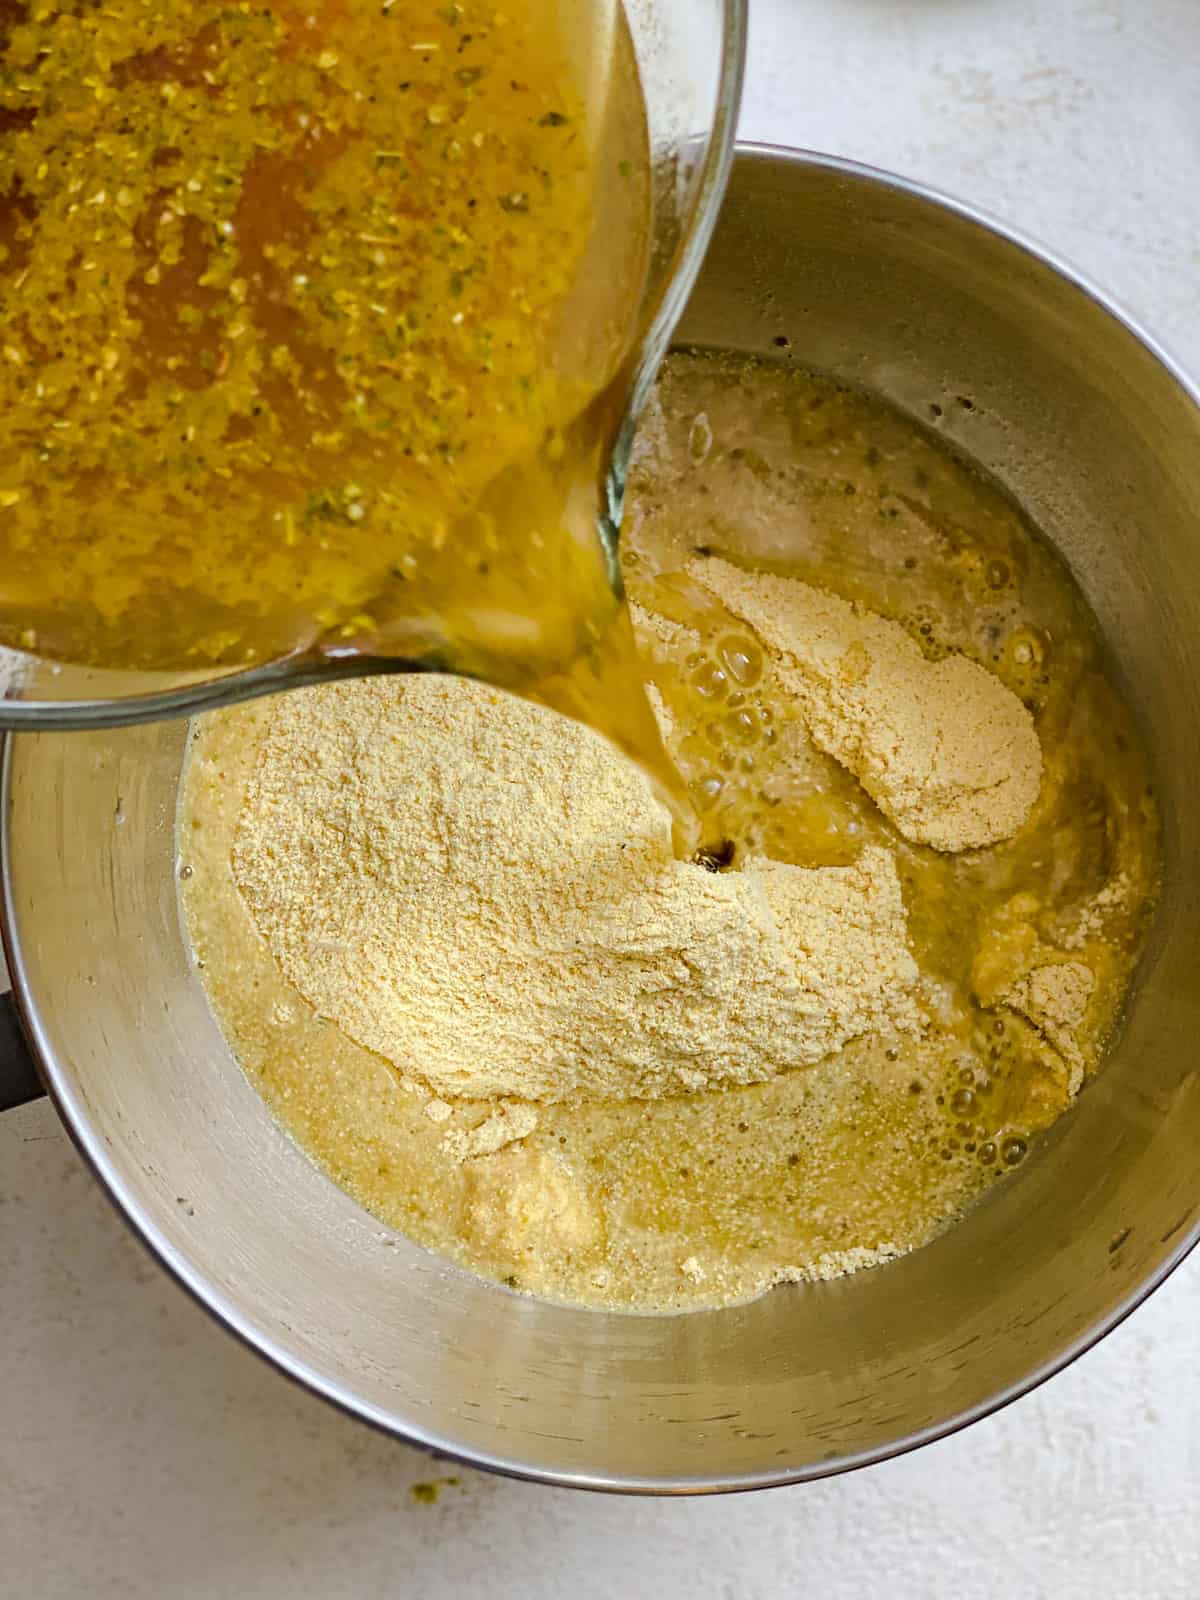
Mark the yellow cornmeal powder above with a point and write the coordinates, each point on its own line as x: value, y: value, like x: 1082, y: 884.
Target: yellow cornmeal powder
x: 476, y: 876
x: 943, y: 748
x: 485, y: 894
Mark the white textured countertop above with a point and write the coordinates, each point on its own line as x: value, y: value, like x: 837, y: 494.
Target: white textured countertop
x: 144, y: 1453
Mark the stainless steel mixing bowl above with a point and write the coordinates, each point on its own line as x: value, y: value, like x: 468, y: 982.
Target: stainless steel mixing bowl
x: 1033, y: 374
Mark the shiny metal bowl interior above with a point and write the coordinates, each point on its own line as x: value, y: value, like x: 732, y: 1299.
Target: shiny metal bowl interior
x: 879, y: 282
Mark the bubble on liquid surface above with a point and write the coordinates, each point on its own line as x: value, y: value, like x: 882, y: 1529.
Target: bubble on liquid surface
x: 710, y: 681
x: 1014, y: 1150
x: 742, y: 726
x: 700, y: 438
x: 707, y: 791
x: 1025, y: 649
x: 742, y: 659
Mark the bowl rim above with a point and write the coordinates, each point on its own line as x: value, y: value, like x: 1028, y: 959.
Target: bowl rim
x: 72, y: 1111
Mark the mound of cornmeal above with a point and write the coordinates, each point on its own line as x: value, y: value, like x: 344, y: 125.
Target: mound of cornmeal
x: 485, y: 893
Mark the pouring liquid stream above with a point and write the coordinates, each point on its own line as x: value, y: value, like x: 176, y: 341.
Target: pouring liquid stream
x: 318, y: 322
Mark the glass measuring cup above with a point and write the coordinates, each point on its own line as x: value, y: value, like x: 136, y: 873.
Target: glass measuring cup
x: 690, y: 58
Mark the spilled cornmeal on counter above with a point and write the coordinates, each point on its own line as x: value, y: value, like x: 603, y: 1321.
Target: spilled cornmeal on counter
x: 445, y: 933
